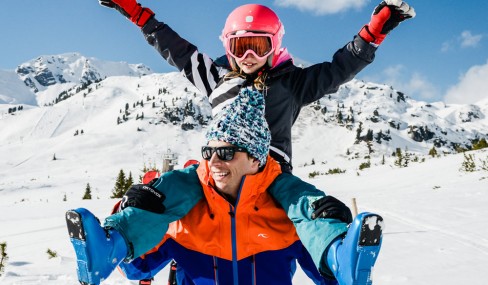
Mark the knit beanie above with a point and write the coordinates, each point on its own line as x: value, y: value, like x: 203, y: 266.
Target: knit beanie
x: 242, y: 124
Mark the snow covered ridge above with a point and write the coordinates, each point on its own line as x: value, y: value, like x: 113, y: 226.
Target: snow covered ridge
x: 364, y: 119
x: 389, y: 119
x: 45, y: 71
x: 66, y: 70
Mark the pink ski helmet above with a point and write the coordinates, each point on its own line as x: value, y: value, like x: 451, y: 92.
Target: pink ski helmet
x: 253, y: 18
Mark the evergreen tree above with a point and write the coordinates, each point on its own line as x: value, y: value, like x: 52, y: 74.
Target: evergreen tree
x: 358, y: 131
x: 400, y: 160
x: 119, y: 189
x: 468, y: 164
x: 128, y: 182
x: 339, y: 117
x: 406, y: 157
x: 369, y: 135
x: 484, y: 164
x: 433, y: 152
x: 87, y: 195
x: 3, y: 256
x: 379, y: 136
x: 480, y: 144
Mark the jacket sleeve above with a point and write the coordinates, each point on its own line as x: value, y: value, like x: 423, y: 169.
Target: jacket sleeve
x: 296, y: 197
x: 178, y: 52
x: 182, y: 190
x: 312, y: 83
x: 148, y: 266
x: 308, y: 267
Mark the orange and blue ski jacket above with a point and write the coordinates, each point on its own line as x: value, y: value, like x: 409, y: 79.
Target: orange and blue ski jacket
x: 251, y: 242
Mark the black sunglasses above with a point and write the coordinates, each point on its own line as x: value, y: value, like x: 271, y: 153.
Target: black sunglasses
x: 225, y: 153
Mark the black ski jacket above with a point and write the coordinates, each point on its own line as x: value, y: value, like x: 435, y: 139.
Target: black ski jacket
x: 289, y: 88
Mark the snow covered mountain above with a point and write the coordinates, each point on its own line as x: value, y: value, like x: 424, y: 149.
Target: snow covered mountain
x: 57, y: 73
x: 382, y: 119
x: 118, y: 116
x: 375, y: 119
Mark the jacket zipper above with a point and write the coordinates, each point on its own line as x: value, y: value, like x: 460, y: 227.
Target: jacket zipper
x: 253, y: 269
x: 216, y: 271
x: 232, y: 213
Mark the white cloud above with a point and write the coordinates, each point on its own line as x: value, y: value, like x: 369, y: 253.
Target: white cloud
x: 470, y: 40
x: 322, y: 7
x: 414, y: 85
x: 472, y: 86
x: 465, y: 40
x: 446, y: 46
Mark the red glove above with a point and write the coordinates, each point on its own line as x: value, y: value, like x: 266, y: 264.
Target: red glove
x: 131, y: 9
x: 386, y: 16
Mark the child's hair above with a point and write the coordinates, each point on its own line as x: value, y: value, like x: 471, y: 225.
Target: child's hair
x: 259, y: 81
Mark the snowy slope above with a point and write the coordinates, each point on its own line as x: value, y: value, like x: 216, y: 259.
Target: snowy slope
x: 13, y: 90
x: 435, y: 217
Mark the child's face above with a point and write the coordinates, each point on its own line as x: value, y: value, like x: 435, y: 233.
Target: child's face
x: 251, y: 64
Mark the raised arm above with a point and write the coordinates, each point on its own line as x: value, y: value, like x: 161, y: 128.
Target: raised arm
x: 200, y: 69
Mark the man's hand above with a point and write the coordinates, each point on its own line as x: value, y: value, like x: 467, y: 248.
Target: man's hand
x: 386, y: 16
x: 144, y: 196
x: 329, y: 207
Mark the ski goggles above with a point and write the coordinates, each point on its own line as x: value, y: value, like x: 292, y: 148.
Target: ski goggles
x: 224, y: 153
x: 240, y: 45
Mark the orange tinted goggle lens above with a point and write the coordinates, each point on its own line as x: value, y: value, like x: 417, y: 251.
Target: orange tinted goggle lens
x: 261, y: 45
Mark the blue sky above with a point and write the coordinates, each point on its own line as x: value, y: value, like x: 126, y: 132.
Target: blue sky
x: 441, y: 55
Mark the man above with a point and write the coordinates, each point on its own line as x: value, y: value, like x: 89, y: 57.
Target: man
x: 237, y: 233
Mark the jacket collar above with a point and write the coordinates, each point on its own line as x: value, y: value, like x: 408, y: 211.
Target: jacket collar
x: 254, y: 184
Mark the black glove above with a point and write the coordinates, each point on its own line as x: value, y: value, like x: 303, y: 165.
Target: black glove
x: 131, y: 9
x: 145, y: 197
x: 331, y: 208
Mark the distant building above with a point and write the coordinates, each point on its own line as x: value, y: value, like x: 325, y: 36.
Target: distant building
x: 170, y: 159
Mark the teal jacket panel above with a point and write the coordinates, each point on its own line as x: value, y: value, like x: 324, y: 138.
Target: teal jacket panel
x: 296, y: 197
x: 142, y: 229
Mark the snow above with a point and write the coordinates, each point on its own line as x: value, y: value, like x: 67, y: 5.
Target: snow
x: 435, y: 216
x: 13, y: 90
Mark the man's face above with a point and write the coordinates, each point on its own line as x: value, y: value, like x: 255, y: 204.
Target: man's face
x: 228, y: 174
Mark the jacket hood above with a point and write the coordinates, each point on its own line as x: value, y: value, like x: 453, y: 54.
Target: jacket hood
x: 283, y: 56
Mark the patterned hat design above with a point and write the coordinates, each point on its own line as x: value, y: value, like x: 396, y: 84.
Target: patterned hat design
x: 242, y: 124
